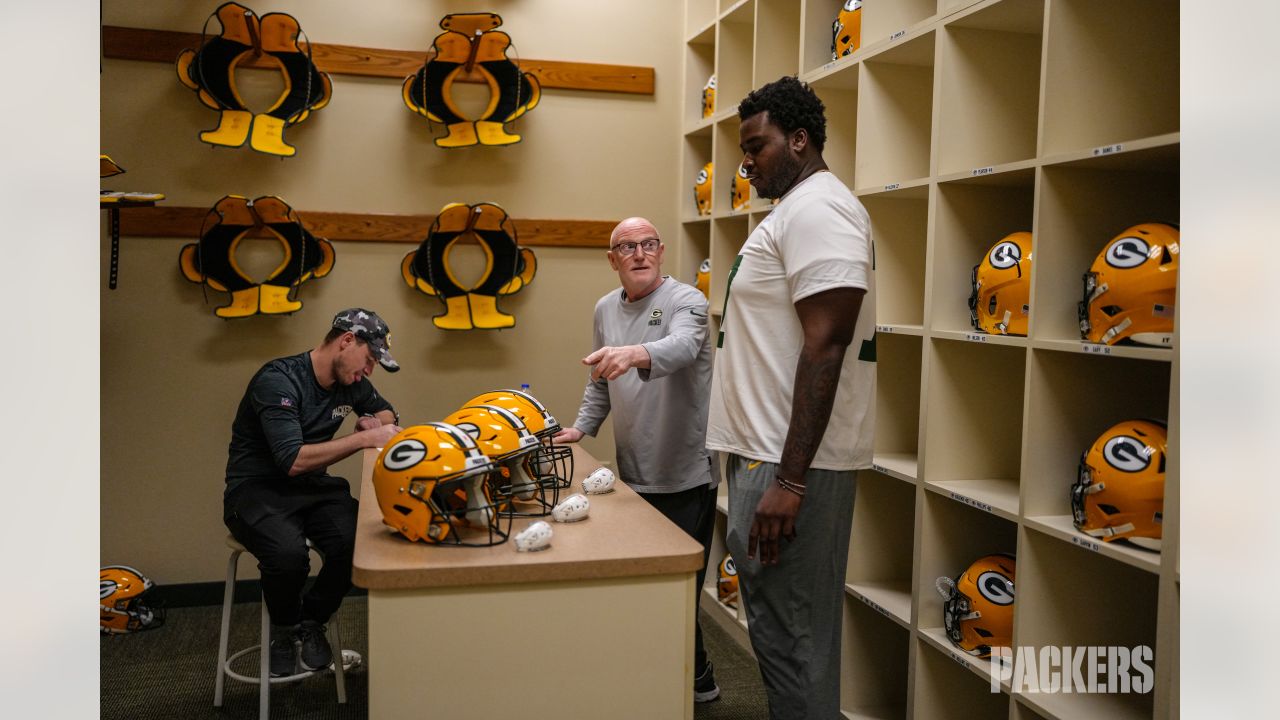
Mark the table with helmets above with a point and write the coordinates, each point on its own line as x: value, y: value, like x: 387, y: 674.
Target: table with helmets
x: 600, y: 624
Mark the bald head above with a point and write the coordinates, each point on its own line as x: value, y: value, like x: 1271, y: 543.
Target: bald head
x: 633, y: 229
x: 635, y: 252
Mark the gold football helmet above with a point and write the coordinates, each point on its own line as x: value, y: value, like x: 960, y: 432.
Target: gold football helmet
x: 727, y: 584
x: 702, y: 190
x: 120, y: 606
x: 709, y: 97
x: 551, y: 464
x: 846, y: 31
x: 978, y: 612
x: 702, y: 280
x: 740, y: 193
x: 1000, y: 299
x: 431, y: 486
x: 1119, y: 492
x: 507, y: 441
x: 1129, y: 291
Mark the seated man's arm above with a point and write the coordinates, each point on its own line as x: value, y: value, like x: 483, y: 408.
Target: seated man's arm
x: 318, y: 456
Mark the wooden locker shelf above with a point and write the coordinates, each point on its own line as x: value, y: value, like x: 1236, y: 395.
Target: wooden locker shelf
x: 881, y: 647
x: 956, y: 123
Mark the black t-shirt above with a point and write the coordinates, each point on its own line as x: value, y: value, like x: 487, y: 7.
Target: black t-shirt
x: 283, y: 409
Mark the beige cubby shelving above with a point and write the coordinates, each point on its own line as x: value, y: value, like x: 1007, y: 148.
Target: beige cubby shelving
x: 880, y: 647
x: 898, y: 367
x: 956, y: 123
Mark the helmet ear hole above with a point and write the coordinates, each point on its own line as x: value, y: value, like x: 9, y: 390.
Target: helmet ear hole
x: 1166, y: 257
x: 983, y: 632
x: 1112, y: 310
x: 1109, y: 509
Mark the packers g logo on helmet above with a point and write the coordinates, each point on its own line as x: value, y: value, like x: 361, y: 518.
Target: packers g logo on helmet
x: 1000, y: 287
x: 1129, y: 290
x: 120, y: 606
x: 1119, y: 491
x: 846, y: 31
x: 978, y: 609
x: 702, y: 190
x: 740, y: 193
x: 702, y: 280
x: 709, y: 97
x: 727, y: 584
x: 431, y: 483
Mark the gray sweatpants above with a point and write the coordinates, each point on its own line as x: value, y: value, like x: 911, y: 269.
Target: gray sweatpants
x: 795, y: 608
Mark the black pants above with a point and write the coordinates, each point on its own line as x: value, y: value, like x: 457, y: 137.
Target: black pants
x: 693, y: 511
x: 274, y: 521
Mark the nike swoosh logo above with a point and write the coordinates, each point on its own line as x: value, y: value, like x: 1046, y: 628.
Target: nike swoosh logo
x: 754, y: 464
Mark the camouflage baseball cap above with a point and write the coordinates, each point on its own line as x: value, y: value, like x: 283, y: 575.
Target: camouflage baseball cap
x: 367, y: 326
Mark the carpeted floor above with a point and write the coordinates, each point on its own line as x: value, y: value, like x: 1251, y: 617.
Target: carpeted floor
x: 169, y: 672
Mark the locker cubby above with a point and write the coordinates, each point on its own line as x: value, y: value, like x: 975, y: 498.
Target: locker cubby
x: 727, y: 236
x: 1059, y: 586
x: 778, y: 49
x: 1111, y: 73
x: 948, y: 7
x: 899, y: 228
x: 839, y: 94
x: 973, y: 444
x: 710, y: 585
x: 989, y: 86
x: 734, y: 52
x: 1073, y: 399
x: 880, y: 545
x: 882, y: 20
x: 697, y: 153
x: 945, y: 690
x: 728, y: 155
x: 876, y: 651
x: 699, y: 15
x: 819, y: 17
x: 689, y: 252
x: 1083, y: 205
x: 700, y: 64
x: 897, y: 439
x: 971, y: 216
x: 728, y: 5
x: 953, y: 536
x: 895, y: 111
x: 1021, y: 711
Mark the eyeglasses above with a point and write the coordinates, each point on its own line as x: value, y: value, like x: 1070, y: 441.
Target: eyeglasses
x: 627, y: 249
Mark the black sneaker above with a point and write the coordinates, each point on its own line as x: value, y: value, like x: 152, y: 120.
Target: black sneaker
x: 704, y: 686
x: 284, y: 650
x: 315, y: 647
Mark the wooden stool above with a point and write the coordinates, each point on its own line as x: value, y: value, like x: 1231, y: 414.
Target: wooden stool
x: 349, y: 658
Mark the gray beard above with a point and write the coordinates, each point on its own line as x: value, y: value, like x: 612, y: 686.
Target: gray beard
x: 782, y: 180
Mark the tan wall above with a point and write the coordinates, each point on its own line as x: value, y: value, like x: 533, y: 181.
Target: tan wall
x: 172, y: 373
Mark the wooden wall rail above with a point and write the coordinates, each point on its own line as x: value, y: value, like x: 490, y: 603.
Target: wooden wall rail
x: 126, y: 43
x: 185, y: 222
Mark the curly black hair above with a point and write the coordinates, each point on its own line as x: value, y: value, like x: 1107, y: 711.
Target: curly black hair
x: 791, y: 105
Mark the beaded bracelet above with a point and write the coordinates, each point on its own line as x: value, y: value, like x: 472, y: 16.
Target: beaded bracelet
x: 791, y: 487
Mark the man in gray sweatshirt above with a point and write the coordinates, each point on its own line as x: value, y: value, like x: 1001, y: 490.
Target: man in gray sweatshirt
x: 656, y: 326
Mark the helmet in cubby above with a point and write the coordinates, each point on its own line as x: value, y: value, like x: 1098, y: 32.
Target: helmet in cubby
x: 740, y: 192
x: 702, y: 190
x: 709, y: 97
x: 1119, y: 490
x: 431, y: 482
x: 702, y: 280
x: 1129, y: 290
x: 727, y: 583
x: 846, y: 31
x: 978, y: 610
x: 1000, y: 287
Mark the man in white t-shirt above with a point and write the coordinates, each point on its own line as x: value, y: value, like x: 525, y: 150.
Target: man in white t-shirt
x: 793, y: 397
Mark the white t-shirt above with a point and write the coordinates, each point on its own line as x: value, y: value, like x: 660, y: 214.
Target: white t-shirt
x: 817, y: 238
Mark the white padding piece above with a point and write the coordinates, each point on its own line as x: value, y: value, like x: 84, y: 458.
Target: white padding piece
x: 572, y: 509
x: 599, y: 482
x: 535, y: 537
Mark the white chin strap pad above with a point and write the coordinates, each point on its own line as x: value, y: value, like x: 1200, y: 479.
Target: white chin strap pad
x: 572, y: 509
x: 599, y: 482
x: 533, y: 538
